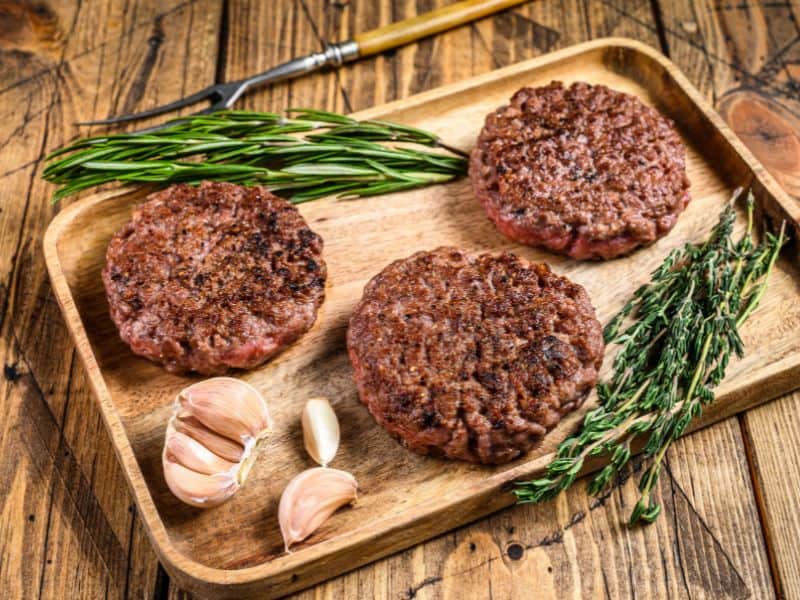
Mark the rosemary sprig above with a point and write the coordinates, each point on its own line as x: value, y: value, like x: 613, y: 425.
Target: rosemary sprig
x: 303, y: 156
x: 676, y: 337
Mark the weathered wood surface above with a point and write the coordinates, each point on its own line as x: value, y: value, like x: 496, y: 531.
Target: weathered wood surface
x: 746, y: 58
x: 406, y: 499
x: 65, y: 525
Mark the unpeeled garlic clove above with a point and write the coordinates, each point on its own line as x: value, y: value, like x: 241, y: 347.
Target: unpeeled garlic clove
x: 211, y: 439
x: 199, y: 489
x: 310, y: 499
x: 190, y: 453
x: 228, y: 406
x: 320, y: 430
x: 219, y: 445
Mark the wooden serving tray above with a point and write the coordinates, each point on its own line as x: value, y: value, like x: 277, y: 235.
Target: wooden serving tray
x: 235, y: 550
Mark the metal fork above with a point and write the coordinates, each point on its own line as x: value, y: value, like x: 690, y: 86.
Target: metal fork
x: 224, y: 95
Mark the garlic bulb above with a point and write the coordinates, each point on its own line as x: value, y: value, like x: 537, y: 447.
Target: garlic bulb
x: 211, y: 439
x: 320, y: 430
x: 310, y: 499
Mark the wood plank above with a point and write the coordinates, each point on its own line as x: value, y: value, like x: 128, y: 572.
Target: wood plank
x: 547, y: 22
x: 772, y: 432
x: 579, y: 547
x: 753, y: 51
x: 474, y: 561
x: 748, y: 58
x: 513, y: 45
x: 59, y: 63
x: 25, y: 477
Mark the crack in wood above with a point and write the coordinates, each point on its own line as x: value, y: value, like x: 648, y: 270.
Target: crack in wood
x: 414, y: 590
x: 27, y: 119
x: 137, y: 89
x: 15, y: 265
x: 17, y: 169
x: 92, y: 49
x: 731, y: 581
x: 655, y: 8
x: 606, y: 591
x: 515, y: 27
x: 766, y: 85
x: 223, y: 39
x: 50, y: 454
x: 322, y: 42
x: 496, y: 62
x: 758, y: 493
x: 681, y: 502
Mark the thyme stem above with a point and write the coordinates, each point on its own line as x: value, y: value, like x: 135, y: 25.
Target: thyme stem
x: 676, y: 337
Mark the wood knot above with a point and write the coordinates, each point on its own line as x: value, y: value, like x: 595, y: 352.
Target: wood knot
x: 515, y: 551
x: 11, y: 372
x: 29, y: 27
x: 769, y: 131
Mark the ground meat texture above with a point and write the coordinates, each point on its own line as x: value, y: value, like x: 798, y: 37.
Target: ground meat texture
x: 213, y: 277
x: 584, y: 171
x: 472, y: 357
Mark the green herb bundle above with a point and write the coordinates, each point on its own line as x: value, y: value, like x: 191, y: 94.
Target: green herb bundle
x: 675, y: 337
x: 310, y: 155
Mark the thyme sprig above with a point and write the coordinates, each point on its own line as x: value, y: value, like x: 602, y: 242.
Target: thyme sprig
x: 676, y: 337
x: 303, y: 156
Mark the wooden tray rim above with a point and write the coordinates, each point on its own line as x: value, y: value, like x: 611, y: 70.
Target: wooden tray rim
x: 195, y: 575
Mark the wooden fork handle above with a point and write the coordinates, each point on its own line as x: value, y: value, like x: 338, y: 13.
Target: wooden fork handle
x: 427, y: 24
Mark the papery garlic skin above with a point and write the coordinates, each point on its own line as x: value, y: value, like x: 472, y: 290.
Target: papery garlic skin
x: 310, y: 499
x: 320, y: 430
x: 190, y: 453
x: 228, y: 406
x: 211, y: 439
x: 223, y: 447
x: 199, y: 489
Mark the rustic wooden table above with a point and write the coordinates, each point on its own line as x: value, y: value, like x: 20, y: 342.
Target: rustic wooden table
x: 68, y: 528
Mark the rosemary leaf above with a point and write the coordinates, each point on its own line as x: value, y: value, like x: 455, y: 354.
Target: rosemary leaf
x: 303, y: 156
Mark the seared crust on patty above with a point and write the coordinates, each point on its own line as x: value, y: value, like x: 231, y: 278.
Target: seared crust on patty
x: 472, y: 357
x: 584, y: 171
x: 212, y: 278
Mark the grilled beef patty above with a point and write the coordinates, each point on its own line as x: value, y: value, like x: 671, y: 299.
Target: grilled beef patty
x: 584, y: 171
x: 472, y: 357
x: 206, y: 279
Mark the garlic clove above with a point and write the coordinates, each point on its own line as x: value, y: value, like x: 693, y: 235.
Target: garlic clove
x: 212, y: 439
x: 198, y: 489
x: 228, y: 406
x: 320, y: 430
x: 223, y: 447
x: 193, y: 455
x: 310, y: 499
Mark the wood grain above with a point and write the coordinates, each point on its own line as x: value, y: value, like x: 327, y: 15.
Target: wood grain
x: 64, y: 60
x: 67, y: 513
x: 577, y: 546
x: 514, y: 35
x: 528, y: 31
x: 750, y: 57
x: 771, y: 433
x: 236, y: 549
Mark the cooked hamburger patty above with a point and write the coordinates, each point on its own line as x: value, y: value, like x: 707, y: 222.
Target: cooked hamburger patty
x: 473, y: 357
x: 209, y: 278
x: 585, y: 171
